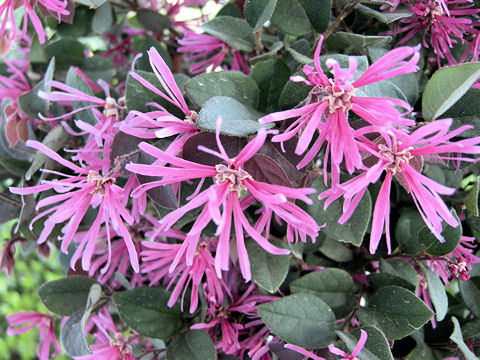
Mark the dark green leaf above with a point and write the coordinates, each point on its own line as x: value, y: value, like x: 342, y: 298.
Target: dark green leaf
x: 466, y: 112
x: 81, y: 26
x: 72, y: 335
x: 102, y: 20
x: 10, y: 208
x: 437, y: 292
x: 67, y: 51
x: 471, y: 201
x: 233, y: 84
x: 334, y: 286
x: 230, y: 9
x: 396, y: 311
x: 400, y: 268
x: 379, y: 280
x: 67, y: 295
x: 30, y: 103
x: 471, y: 329
x: 92, y: 4
x: 238, y: 119
x: 271, y: 76
x: 354, y: 229
x: 293, y: 93
x: 258, y: 12
x: 97, y: 67
x: 143, y: 45
x: 153, y: 21
x: 296, y: 318
x: 290, y: 17
x: 335, y: 250
x: 360, y: 43
x: 319, y: 13
x: 268, y: 271
x: 145, y: 310
x: 194, y: 345
x: 458, y: 339
x: 55, y: 139
x: 376, y: 347
x: 446, y: 87
x: 470, y: 291
x: 234, y: 31
x: 386, y: 17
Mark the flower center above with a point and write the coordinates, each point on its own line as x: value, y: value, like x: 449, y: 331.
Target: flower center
x: 99, y: 181
x: 427, y: 13
x: 192, y: 118
x: 234, y: 176
x: 113, y: 108
x: 121, y: 343
x: 338, y: 98
x: 396, y: 157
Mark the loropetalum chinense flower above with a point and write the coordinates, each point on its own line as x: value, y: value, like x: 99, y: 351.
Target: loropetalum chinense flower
x: 233, y: 190
x: 161, y: 123
x: 208, y: 53
x: 401, y: 155
x: 22, y: 322
x: 157, y: 257
x: 445, y: 23
x: 8, y: 7
x: 329, y: 103
x: 76, y: 194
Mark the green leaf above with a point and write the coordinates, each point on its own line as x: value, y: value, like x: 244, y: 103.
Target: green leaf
x: 386, y: 17
x: 446, y: 87
x: 318, y: 12
x: 153, y: 21
x: 233, y: 84
x: 268, y: 271
x: 67, y: 51
x: 471, y: 201
x: 470, y: 291
x: 102, y: 20
x: 10, y: 208
x: 55, y: 139
x: 437, y: 292
x: 335, y: 250
x: 193, y: 345
x: 359, y: 43
x: 238, y: 119
x: 258, y: 12
x: 396, y: 311
x: 67, y: 295
x: 143, y: 45
x: 471, y: 329
x: 400, y: 268
x: 334, y: 286
x: 414, y: 237
x: 294, y: 93
x: 379, y: 280
x: 354, y: 229
x: 81, y: 26
x: 97, y: 67
x: 74, y: 80
x: 458, y: 339
x: 145, y: 310
x: 234, y: 31
x: 30, y: 103
x: 72, y: 334
x: 376, y: 347
x: 466, y: 112
x: 300, y: 319
x: 92, y: 4
x: 271, y: 76
x: 290, y: 17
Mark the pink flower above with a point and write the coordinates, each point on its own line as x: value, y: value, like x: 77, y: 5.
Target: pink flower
x: 300, y: 350
x: 231, y: 181
x: 119, y: 47
x: 208, y: 53
x: 77, y: 193
x: 110, y: 343
x: 157, y: 258
x: 329, y: 102
x: 22, y: 322
x: 8, y: 7
x: 401, y: 156
x: 356, y: 350
x: 161, y: 123
x: 445, y: 22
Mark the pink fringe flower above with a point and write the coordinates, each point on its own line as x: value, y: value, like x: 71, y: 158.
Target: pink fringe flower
x: 22, y: 322
x: 8, y: 7
x: 230, y: 183
x: 446, y: 23
x: 157, y: 258
x: 77, y: 193
x: 207, y: 51
x: 329, y: 102
x: 401, y: 156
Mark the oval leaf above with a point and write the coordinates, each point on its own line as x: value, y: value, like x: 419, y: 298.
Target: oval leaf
x: 194, y: 345
x: 301, y: 319
x: 376, y: 347
x: 446, y: 87
x: 145, y: 310
x: 290, y: 17
x: 234, y: 31
x: 67, y: 295
x: 396, y: 311
x: 258, y: 12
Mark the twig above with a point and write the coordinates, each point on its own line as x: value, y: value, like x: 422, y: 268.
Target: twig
x: 258, y: 42
x: 347, y: 10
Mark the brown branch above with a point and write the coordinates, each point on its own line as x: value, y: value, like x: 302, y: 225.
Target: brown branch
x: 347, y: 10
